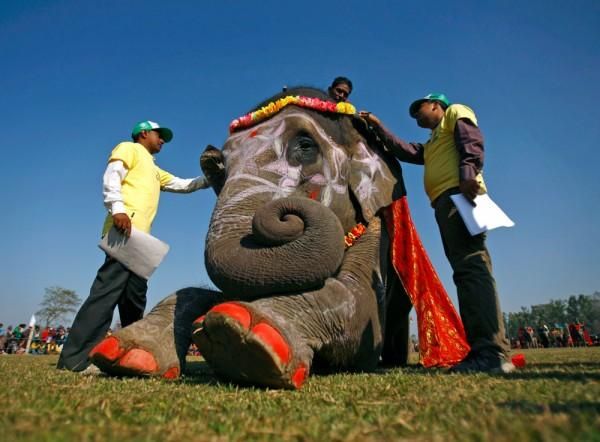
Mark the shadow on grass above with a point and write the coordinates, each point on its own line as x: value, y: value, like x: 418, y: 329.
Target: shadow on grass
x: 591, y: 365
x: 564, y: 407
x: 580, y: 376
x: 200, y: 373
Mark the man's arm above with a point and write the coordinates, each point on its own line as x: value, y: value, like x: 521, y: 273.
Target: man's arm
x: 113, y: 200
x: 407, y: 152
x: 181, y: 185
x: 469, y: 143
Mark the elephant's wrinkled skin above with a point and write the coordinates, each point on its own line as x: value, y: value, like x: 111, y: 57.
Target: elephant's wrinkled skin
x: 292, y: 298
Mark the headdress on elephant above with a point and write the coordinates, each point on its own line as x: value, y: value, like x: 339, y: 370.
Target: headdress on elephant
x: 274, y: 107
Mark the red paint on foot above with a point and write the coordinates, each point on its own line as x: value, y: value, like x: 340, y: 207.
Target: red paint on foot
x: 199, y: 320
x: 171, y: 373
x: 271, y: 337
x: 235, y: 311
x: 299, y: 376
x: 108, y: 349
x: 139, y: 361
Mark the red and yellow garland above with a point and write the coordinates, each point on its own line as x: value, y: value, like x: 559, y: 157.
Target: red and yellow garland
x: 273, y: 107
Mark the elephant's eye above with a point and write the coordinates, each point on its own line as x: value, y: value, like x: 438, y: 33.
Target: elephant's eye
x: 302, y: 149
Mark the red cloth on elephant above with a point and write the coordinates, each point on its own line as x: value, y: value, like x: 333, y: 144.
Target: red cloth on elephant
x: 442, y: 339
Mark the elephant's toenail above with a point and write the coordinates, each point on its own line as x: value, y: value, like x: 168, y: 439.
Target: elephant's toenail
x: 235, y: 311
x: 270, y: 336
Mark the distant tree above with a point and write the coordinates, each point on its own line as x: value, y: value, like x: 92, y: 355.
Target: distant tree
x: 572, y: 308
x: 584, y: 308
x: 57, y: 303
x: 556, y: 312
x: 551, y: 313
x: 519, y: 319
x: 595, y: 314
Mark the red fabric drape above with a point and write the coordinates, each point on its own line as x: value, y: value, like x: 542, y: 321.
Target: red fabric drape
x: 442, y: 339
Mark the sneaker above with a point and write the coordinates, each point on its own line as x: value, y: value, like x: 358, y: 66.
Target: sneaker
x: 91, y: 370
x: 488, y: 362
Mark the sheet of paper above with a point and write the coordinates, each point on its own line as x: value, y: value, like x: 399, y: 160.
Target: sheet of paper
x: 141, y: 253
x: 484, y: 216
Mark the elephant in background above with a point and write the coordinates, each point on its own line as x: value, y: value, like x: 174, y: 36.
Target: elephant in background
x: 294, y: 298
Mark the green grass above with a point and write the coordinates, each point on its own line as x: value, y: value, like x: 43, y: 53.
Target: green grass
x: 556, y: 397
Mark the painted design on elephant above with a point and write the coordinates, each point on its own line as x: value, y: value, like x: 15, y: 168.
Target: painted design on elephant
x: 371, y: 167
x: 246, y: 148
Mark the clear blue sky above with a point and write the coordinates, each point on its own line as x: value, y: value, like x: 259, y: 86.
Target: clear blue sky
x: 75, y: 76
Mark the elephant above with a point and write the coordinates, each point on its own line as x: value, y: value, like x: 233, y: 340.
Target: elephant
x: 298, y: 249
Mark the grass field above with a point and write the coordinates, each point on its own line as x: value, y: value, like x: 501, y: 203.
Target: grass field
x: 556, y: 397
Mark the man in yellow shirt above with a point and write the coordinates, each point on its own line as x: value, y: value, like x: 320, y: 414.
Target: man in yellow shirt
x: 453, y: 160
x: 132, y: 184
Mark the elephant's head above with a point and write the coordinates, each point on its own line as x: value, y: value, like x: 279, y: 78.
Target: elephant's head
x: 294, y: 184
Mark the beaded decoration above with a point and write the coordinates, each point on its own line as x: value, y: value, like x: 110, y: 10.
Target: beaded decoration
x: 356, y: 232
x: 273, y: 107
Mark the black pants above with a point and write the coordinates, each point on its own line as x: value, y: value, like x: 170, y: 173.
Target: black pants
x: 114, y: 285
x: 475, y: 284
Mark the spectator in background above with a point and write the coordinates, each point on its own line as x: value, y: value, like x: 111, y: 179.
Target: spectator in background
x: 544, y: 334
x: 59, y: 339
x: 2, y: 338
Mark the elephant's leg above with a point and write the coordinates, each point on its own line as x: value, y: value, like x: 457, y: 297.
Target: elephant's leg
x: 397, y: 325
x: 157, y: 344
x: 244, y: 343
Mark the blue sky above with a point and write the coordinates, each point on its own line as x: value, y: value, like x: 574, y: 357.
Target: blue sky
x: 77, y: 75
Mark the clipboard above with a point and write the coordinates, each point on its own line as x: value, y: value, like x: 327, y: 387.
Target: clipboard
x: 141, y: 253
x: 485, y: 215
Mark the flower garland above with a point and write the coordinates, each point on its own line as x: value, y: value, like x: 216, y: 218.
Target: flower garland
x: 356, y: 232
x: 275, y: 106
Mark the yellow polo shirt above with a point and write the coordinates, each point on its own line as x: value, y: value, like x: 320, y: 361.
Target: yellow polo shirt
x: 441, y: 156
x: 141, y: 187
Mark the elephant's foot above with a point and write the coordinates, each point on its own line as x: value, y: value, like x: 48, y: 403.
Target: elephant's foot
x: 241, y: 345
x: 120, y: 357
x: 157, y: 344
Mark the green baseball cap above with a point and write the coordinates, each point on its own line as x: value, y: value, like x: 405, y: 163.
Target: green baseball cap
x: 414, y: 107
x: 165, y: 134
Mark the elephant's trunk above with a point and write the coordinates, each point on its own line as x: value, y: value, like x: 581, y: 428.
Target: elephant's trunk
x: 293, y: 244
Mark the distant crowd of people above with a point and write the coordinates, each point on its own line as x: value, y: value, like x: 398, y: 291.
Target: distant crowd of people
x: 561, y: 335
x: 47, y: 340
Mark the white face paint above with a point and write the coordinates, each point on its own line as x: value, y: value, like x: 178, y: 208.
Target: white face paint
x: 257, y: 158
x: 369, y: 166
x: 265, y: 141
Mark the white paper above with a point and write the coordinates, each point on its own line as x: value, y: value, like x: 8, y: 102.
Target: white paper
x: 141, y: 253
x: 484, y: 216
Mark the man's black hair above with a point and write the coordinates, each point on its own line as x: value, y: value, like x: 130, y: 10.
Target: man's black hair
x: 340, y: 80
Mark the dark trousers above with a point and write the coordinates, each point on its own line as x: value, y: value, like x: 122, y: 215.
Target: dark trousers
x: 114, y: 286
x: 475, y: 284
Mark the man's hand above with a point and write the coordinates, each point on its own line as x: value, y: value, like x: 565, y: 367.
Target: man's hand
x: 369, y: 117
x: 470, y: 189
x: 122, y: 223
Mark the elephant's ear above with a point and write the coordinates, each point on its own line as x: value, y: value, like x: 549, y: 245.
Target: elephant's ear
x: 375, y: 176
x: 213, y: 167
